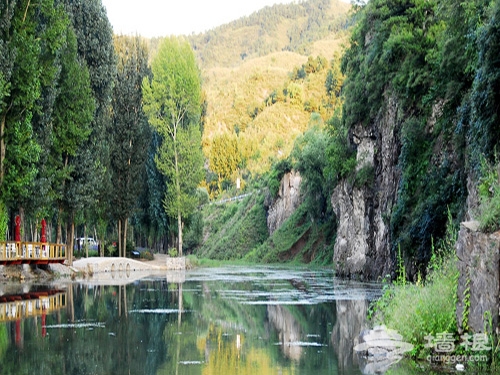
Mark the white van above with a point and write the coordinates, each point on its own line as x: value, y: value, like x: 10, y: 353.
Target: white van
x: 82, y: 241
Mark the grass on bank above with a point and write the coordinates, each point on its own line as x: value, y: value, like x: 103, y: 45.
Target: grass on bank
x: 233, y: 229
x: 297, y: 240
x: 428, y: 307
x: 421, y: 309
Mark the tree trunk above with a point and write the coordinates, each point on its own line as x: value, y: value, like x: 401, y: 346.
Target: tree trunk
x: 125, y: 225
x: 59, y: 217
x: 119, y: 238
x: 178, y: 192
x: 85, y: 236
x: 59, y: 227
x: 71, y: 243
x: 21, y: 215
x: 2, y: 149
x: 179, y: 228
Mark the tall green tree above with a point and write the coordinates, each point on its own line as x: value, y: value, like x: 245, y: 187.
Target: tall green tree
x: 309, y: 159
x: 130, y: 136
x: 73, y: 114
x: 172, y: 102
x: 151, y: 218
x: 52, y: 25
x: 94, y: 35
x: 30, y: 37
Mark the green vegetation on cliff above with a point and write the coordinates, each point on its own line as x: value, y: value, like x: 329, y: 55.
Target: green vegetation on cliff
x: 436, y: 60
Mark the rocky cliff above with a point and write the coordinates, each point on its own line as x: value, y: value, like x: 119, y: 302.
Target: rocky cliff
x: 286, y: 202
x: 362, y: 246
x: 479, y: 278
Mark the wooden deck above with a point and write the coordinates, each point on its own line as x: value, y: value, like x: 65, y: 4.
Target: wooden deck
x: 20, y: 252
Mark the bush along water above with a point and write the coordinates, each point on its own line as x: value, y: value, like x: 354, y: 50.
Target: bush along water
x: 424, y: 313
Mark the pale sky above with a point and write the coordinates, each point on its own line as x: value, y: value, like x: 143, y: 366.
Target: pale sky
x: 177, y: 17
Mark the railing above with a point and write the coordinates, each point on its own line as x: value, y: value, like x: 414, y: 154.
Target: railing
x: 17, y: 252
x: 232, y: 199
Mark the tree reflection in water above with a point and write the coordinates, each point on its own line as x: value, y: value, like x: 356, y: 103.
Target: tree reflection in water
x: 224, y: 321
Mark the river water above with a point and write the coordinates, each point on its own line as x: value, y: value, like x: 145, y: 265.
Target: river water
x: 213, y: 321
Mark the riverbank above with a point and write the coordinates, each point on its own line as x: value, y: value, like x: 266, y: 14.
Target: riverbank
x: 82, y: 268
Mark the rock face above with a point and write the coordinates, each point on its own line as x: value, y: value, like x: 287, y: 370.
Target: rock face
x: 362, y: 247
x: 287, y: 201
x: 479, y: 280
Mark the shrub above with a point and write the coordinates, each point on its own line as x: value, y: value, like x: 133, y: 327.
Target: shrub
x: 147, y: 255
x: 276, y: 174
x: 194, y: 235
x: 424, y: 308
x: 110, y: 249
x: 489, y: 195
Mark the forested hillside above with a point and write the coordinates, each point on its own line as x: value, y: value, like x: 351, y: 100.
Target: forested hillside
x: 291, y: 27
x: 417, y: 137
x: 265, y: 79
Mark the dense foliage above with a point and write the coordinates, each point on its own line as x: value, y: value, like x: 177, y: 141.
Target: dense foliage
x: 172, y: 102
x: 130, y: 132
x: 74, y: 141
x: 73, y: 137
x: 435, y: 59
x: 283, y: 27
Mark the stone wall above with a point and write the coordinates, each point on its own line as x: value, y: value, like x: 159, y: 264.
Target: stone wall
x: 479, y: 280
x: 177, y: 263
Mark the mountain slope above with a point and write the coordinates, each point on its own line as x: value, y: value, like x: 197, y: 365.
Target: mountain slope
x: 264, y: 77
x: 282, y: 27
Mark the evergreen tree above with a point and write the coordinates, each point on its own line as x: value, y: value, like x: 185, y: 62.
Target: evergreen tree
x: 52, y: 22
x: 129, y: 132
x: 151, y: 217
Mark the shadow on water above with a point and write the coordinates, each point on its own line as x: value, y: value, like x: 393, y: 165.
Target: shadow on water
x: 261, y: 320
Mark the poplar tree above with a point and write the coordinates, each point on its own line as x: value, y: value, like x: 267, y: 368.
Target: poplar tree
x: 172, y: 102
x: 31, y: 37
x: 129, y: 132
x: 73, y: 113
x: 92, y: 183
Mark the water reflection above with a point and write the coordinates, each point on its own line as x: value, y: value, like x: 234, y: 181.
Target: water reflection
x: 351, y: 319
x: 262, y: 320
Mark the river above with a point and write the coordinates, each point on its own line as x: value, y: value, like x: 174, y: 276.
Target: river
x: 210, y: 321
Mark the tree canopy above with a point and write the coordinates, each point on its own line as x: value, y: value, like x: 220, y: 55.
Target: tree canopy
x: 172, y: 102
